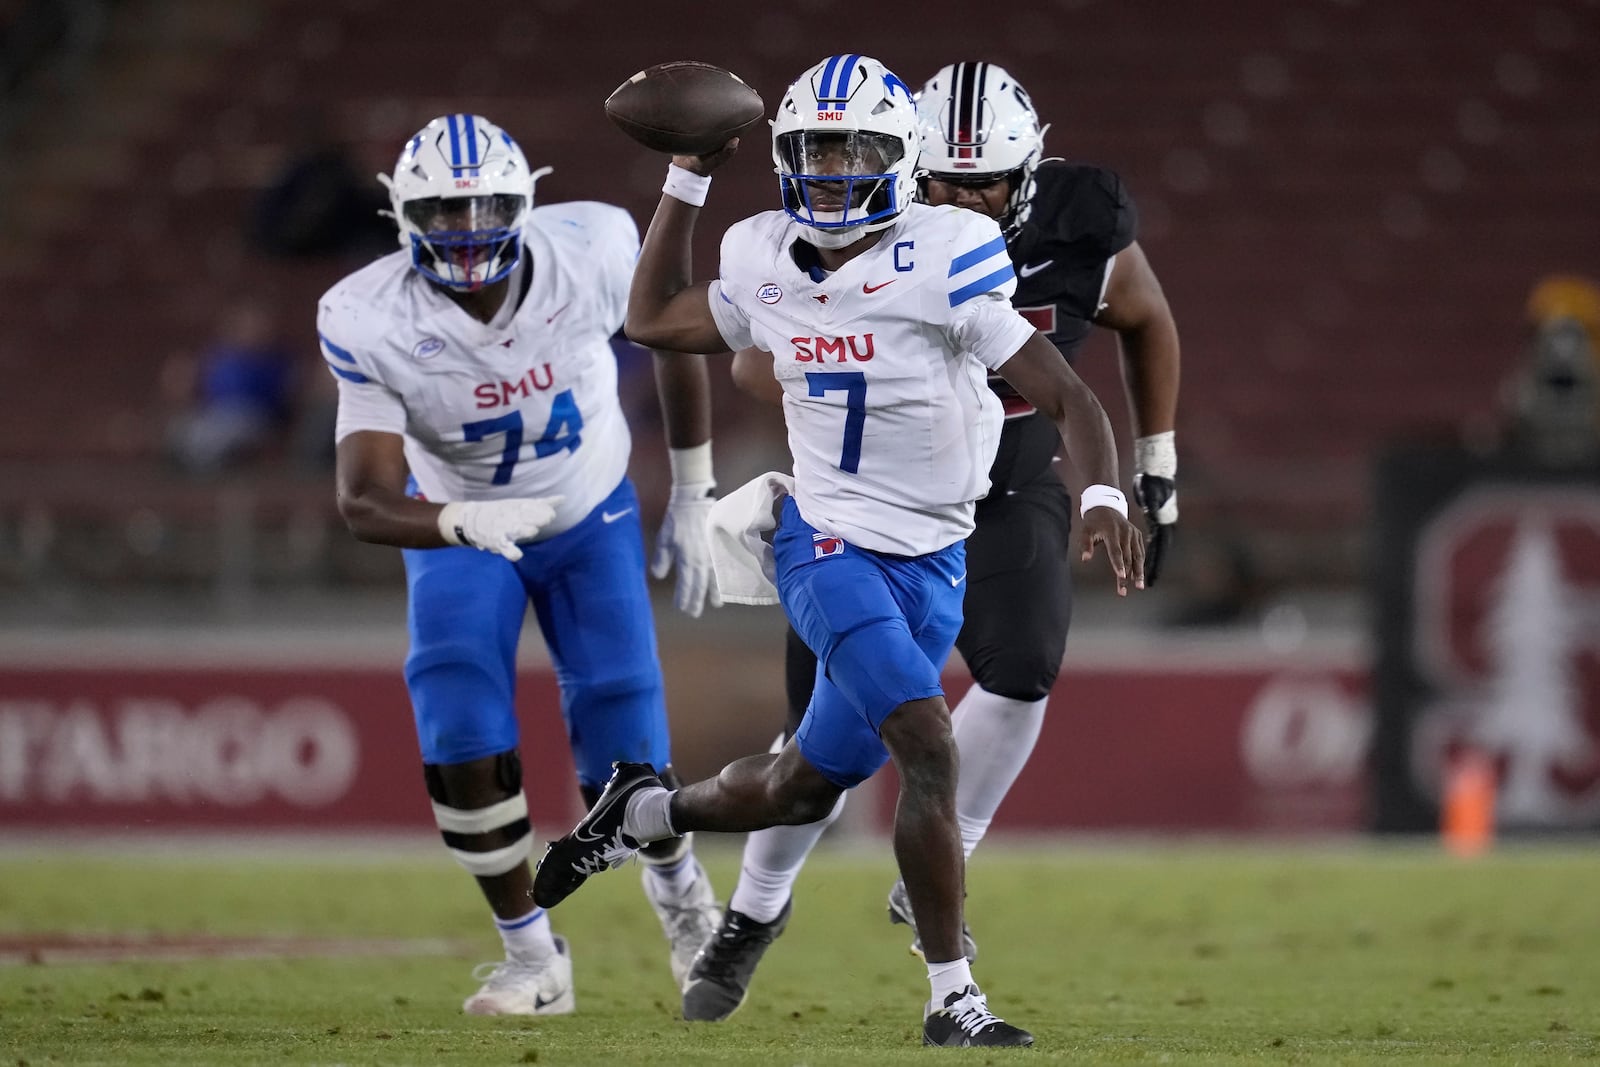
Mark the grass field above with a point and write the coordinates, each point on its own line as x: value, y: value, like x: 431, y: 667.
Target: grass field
x: 1128, y: 954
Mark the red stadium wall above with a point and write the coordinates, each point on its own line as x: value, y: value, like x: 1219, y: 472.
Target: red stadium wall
x: 1235, y: 749
x: 1206, y: 749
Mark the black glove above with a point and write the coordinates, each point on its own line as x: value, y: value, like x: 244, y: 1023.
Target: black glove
x: 1159, y: 498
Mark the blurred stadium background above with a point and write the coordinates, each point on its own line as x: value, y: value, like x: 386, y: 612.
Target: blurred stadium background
x: 1373, y: 222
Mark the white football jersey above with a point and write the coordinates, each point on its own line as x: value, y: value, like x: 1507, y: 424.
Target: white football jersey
x: 525, y: 405
x: 883, y: 365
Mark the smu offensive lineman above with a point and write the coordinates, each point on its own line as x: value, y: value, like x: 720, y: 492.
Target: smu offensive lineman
x: 883, y: 318
x: 1069, y: 230
x: 479, y: 430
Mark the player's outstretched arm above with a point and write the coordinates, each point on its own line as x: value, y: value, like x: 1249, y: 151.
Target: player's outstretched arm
x: 1136, y: 308
x: 665, y: 308
x: 1046, y: 381
x: 370, y: 475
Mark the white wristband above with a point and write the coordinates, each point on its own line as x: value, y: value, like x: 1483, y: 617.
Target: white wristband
x: 1102, y: 496
x: 691, y: 464
x: 1156, y: 454
x: 686, y: 185
x: 450, y: 524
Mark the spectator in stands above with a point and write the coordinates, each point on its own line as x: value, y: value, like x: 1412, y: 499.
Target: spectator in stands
x: 1552, y: 401
x: 319, y: 203
x: 235, y: 398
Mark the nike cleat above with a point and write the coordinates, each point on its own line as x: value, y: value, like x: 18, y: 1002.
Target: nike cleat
x: 965, y: 1021
x: 597, y: 843
x: 719, y: 980
x: 513, y: 987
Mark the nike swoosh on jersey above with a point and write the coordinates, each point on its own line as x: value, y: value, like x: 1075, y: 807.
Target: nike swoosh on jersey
x: 558, y: 311
x: 613, y: 516
x: 1030, y: 269
x: 957, y: 581
x: 869, y: 289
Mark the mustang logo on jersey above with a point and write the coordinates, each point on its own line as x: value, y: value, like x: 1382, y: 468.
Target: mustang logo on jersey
x: 825, y: 545
x: 818, y: 349
x: 494, y: 394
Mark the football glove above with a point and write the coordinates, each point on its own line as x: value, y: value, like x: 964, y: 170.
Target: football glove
x: 1155, y: 467
x: 685, y: 541
x: 497, y: 525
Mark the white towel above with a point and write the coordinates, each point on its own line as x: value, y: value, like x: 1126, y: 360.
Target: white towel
x: 741, y: 556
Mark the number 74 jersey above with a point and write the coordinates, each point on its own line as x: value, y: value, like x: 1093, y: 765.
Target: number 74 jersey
x: 525, y: 405
x: 883, y: 365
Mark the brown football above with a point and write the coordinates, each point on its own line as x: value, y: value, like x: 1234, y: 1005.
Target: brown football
x: 684, y: 107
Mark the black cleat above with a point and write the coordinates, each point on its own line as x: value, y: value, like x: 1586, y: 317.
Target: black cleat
x: 966, y: 1021
x: 597, y: 842
x: 900, y: 912
x: 719, y: 978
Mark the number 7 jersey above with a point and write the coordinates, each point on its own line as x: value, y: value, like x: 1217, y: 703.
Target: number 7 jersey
x: 525, y: 405
x: 883, y: 364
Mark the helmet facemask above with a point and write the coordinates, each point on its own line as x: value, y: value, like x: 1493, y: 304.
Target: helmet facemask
x: 839, y: 181
x: 465, y: 242
x: 1019, y: 198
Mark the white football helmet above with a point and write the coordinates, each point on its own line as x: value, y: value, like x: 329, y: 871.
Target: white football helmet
x: 978, y: 126
x: 845, y: 146
x: 461, y: 191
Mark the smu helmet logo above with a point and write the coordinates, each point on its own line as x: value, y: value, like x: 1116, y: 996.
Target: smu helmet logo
x: 824, y: 545
x: 1507, y: 599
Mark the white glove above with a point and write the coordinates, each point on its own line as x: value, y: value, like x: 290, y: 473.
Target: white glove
x: 685, y: 539
x: 497, y: 525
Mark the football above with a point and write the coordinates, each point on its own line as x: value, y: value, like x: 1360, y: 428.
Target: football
x: 684, y: 107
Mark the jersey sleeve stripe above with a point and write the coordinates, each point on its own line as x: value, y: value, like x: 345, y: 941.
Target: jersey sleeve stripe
x: 982, y: 285
x: 347, y: 375
x: 977, y: 255
x: 335, y: 350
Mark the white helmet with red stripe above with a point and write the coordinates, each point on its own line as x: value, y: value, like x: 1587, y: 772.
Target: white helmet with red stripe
x: 977, y: 126
x: 461, y: 191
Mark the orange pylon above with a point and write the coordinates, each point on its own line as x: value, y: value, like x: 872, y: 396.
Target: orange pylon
x: 1466, y: 811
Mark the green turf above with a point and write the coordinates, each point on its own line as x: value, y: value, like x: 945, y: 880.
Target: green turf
x: 1109, y: 955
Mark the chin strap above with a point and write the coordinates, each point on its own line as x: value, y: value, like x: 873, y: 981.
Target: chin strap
x: 839, y: 238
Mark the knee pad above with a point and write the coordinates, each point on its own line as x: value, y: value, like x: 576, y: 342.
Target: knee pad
x: 487, y: 839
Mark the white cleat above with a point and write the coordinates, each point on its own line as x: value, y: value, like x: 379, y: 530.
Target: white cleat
x: 688, y: 921
x: 512, y: 987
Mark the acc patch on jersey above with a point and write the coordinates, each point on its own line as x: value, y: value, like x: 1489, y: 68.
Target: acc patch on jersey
x: 825, y: 545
